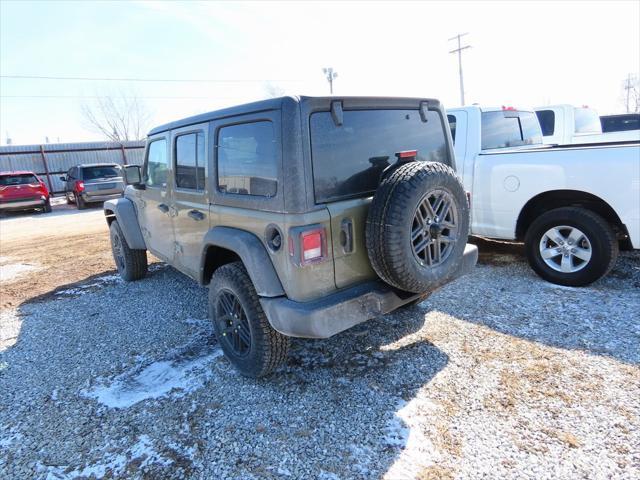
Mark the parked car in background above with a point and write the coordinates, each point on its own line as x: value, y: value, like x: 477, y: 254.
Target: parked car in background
x: 566, y: 125
x: 573, y: 206
x: 93, y: 183
x: 620, y: 123
x: 23, y: 190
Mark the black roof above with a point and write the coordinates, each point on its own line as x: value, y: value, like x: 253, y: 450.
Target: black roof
x: 253, y: 107
x: 280, y: 103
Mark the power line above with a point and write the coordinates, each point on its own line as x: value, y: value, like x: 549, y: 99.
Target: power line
x: 133, y: 79
x: 105, y: 96
x: 459, y: 52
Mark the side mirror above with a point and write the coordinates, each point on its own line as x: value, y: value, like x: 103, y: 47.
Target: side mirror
x: 132, y: 176
x: 63, y: 178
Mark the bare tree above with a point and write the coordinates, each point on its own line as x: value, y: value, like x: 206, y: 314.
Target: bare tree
x: 273, y: 90
x: 118, y: 117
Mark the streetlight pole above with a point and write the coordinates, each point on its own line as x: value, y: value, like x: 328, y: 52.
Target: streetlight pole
x: 331, y: 75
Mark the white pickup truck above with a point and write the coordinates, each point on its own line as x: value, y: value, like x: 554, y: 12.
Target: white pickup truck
x: 566, y: 124
x: 573, y: 206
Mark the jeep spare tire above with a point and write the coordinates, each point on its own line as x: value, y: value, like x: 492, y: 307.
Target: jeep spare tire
x: 417, y: 226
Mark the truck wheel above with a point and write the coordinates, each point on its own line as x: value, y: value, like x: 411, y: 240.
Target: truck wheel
x: 571, y: 246
x: 68, y: 198
x: 247, y: 339
x: 131, y: 264
x: 417, y: 226
x: 80, y: 203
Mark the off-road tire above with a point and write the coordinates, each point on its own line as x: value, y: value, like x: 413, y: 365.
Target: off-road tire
x: 131, y: 263
x: 268, y: 348
x: 390, y: 219
x: 604, y: 245
x: 47, y: 206
x: 80, y: 203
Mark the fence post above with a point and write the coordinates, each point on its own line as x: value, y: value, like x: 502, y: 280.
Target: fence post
x: 124, y: 155
x: 46, y: 169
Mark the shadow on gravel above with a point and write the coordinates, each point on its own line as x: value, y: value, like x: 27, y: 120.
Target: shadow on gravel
x: 600, y: 319
x: 133, y: 386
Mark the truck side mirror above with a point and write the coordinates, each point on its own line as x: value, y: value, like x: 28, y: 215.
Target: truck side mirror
x: 132, y: 176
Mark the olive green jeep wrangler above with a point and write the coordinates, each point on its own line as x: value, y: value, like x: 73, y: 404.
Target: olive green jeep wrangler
x: 305, y: 216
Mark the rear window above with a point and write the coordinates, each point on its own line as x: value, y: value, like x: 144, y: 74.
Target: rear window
x: 620, y: 123
x: 93, y: 173
x: 21, y: 179
x: 348, y: 159
x: 504, y: 129
x: 587, y: 121
x: 547, y: 121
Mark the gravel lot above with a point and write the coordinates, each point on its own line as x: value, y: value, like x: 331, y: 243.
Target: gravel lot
x: 499, y: 375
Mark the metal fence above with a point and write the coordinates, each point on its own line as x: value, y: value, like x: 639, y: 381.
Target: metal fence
x: 50, y: 161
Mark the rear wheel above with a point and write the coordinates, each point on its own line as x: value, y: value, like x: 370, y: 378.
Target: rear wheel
x: 571, y: 246
x: 131, y: 264
x: 47, y: 206
x: 247, y: 339
x: 69, y: 198
x: 80, y: 203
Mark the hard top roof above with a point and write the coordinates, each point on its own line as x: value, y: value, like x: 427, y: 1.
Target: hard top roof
x: 270, y: 104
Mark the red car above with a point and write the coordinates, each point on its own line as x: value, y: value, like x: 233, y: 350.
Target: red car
x: 23, y: 191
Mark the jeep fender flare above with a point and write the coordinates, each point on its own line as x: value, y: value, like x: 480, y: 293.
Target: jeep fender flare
x: 125, y: 212
x: 253, y: 254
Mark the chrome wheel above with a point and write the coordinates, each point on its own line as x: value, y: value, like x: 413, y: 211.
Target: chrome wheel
x: 565, y: 249
x: 232, y: 323
x: 434, y: 229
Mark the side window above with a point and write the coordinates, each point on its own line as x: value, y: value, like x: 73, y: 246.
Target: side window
x: 247, y: 159
x: 452, y: 126
x: 190, y: 161
x: 156, y: 166
x: 547, y: 121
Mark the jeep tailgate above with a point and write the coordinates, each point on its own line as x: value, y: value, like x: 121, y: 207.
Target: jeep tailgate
x: 350, y: 259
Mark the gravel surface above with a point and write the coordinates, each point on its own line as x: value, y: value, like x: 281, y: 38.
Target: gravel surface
x: 499, y: 375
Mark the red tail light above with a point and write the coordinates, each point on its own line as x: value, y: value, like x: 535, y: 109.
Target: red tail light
x: 307, y: 246
x: 79, y: 186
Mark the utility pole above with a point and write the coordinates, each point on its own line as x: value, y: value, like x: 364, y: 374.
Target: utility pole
x: 459, y: 52
x: 627, y: 87
x: 331, y: 75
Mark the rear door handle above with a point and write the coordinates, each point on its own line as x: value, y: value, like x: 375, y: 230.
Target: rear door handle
x: 163, y: 208
x: 196, y: 215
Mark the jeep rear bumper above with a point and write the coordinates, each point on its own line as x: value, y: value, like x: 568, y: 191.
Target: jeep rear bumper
x: 342, y: 310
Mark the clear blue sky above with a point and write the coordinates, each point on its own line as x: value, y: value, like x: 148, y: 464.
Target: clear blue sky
x: 523, y: 54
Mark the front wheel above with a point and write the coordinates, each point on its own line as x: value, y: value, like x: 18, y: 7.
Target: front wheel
x: 131, y: 264
x: 571, y: 246
x: 247, y: 339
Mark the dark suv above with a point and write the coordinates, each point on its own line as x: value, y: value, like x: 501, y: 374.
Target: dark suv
x: 93, y: 183
x: 305, y: 216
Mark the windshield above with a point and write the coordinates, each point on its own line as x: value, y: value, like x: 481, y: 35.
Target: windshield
x: 348, y: 159
x: 21, y: 179
x: 108, y: 171
x: 587, y: 121
x: 504, y: 129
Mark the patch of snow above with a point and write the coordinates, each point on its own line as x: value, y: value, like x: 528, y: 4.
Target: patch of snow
x: 404, y: 432
x: 10, y: 272
x: 10, y: 324
x: 180, y: 375
x: 116, y: 463
x: 99, y: 283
